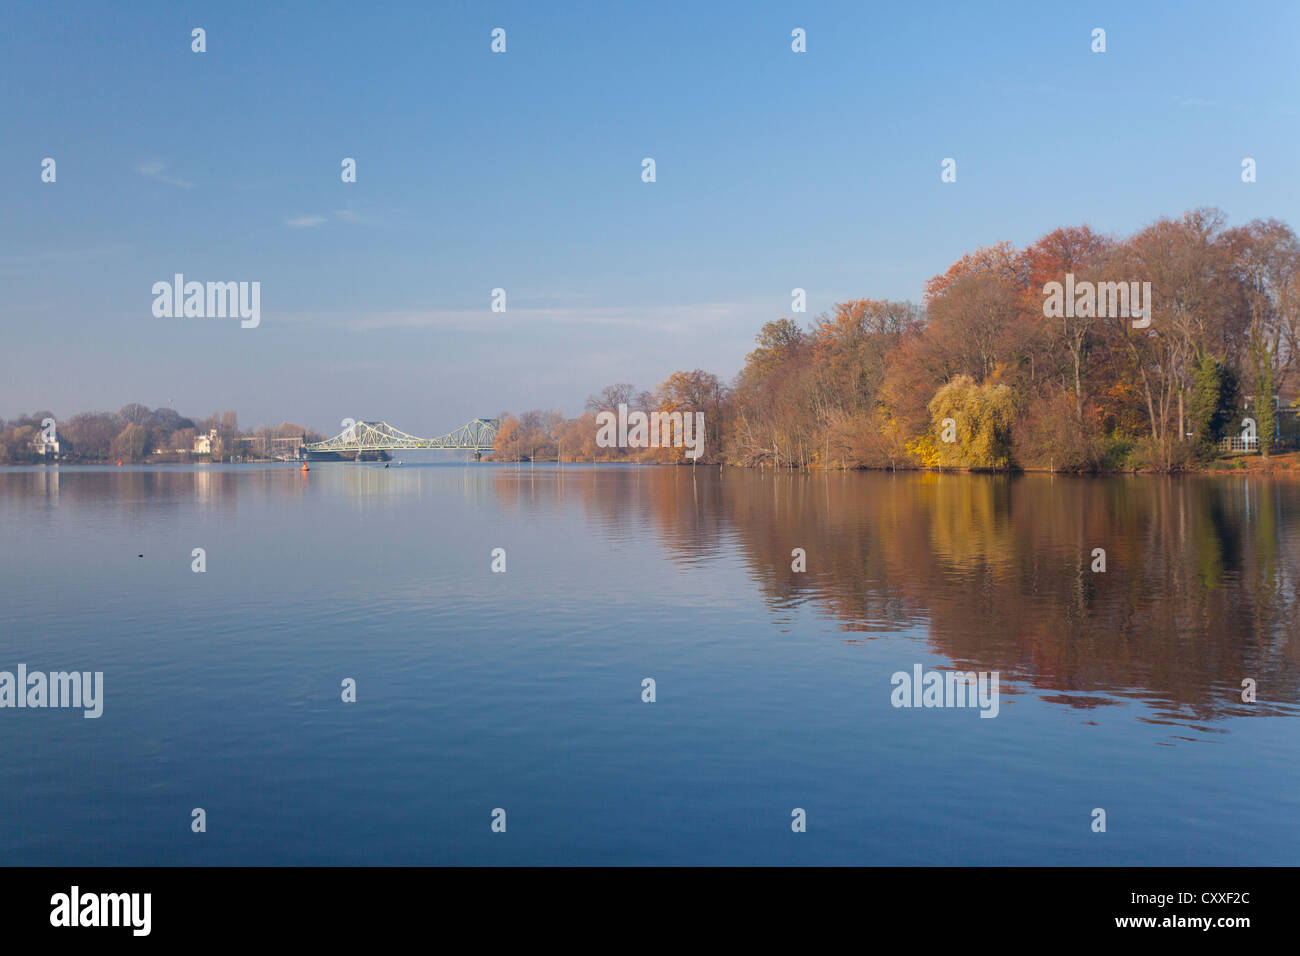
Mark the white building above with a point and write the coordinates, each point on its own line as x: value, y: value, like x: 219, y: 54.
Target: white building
x: 203, y: 443
x: 44, y: 447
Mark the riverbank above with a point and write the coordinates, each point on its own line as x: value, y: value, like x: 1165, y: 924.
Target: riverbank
x: 1287, y: 463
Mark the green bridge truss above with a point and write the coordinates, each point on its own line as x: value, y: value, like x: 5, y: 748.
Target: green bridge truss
x: 476, y: 436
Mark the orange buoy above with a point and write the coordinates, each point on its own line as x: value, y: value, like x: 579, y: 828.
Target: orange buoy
x: 304, y: 467
x: 119, y: 464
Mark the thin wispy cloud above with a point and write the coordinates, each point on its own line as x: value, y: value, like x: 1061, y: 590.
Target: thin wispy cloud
x: 157, y: 170
x: 1045, y: 89
x: 50, y: 255
x: 663, y: 319
x: 350, y: 216
x: 7, y: 309
x: 339, y: 368
x: 1252, y: 108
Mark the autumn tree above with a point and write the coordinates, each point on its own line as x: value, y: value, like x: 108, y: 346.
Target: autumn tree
x: 1196, y: 306
x: 1081, y: 252
x: 1266, y: 256
x: 688, y: 393
x: 131, y: 444
x: 971, y: 426
x: 91, y: 434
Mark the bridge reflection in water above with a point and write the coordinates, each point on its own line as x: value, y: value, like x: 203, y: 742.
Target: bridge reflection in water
x: 377, y: 438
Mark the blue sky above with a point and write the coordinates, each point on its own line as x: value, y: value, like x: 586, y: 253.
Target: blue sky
x: 523, y: 171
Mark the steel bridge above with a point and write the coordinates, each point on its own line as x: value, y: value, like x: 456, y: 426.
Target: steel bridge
x: 476, y: 436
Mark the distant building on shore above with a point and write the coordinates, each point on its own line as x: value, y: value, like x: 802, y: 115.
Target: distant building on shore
x: 288, y: 448
x: 46, y: 448
x: 203, y: 443
x: 1286, y: 429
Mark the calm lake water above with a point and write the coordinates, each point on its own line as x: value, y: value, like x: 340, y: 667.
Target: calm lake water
x: 478, y: 690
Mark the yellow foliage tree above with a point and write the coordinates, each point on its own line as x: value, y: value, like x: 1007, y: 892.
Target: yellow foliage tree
x: 971, y: 426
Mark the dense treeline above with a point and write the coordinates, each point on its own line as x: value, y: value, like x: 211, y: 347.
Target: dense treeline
x: 135, y: 433
x: 539, y: 434
x: 872, y: 384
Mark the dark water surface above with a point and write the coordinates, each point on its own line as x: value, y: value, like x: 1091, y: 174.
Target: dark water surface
x: 477, y: 690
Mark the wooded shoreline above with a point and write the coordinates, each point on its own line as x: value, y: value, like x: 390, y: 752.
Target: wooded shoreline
x: 1039, y: 358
